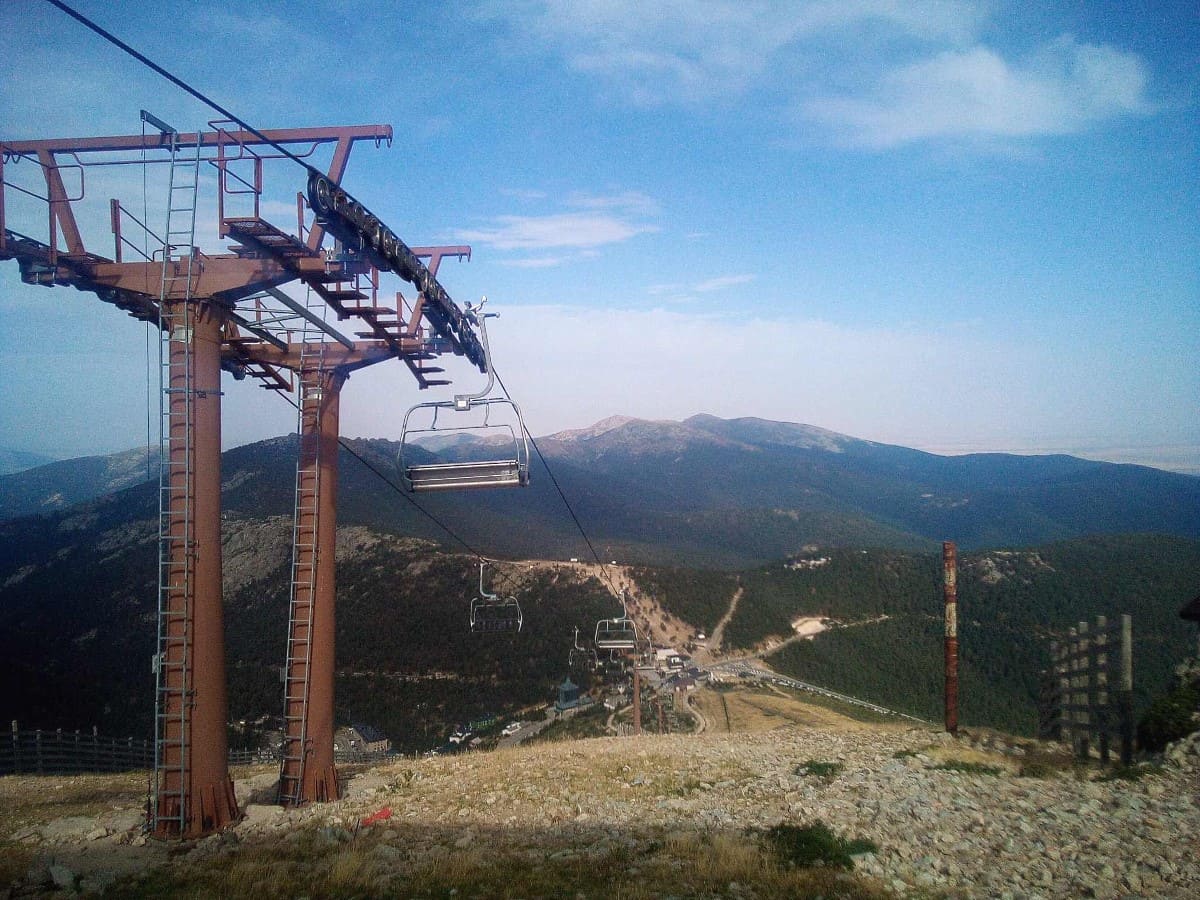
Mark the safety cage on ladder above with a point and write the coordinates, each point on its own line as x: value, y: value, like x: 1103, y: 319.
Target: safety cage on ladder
x: 619, y: 633
x: 494, y: 443
x: 493, y: 614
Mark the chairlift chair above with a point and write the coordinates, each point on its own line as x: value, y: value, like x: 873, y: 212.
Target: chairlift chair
x: 617, y: 634
x: 582, y: 659
x: 508, y: 467
x: 493, y: 614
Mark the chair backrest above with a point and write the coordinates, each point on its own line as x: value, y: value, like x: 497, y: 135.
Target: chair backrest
x: 493, y: 616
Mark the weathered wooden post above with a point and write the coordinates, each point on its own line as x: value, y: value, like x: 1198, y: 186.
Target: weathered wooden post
x: 1100, y: 686
x: 950, y: 595
x: 1062, y: 672
x: 1082, y: 695
x: 16, y: 741
x: 1125, y: 697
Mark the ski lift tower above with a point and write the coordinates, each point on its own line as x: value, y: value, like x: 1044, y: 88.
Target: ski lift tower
x: 225, y: 311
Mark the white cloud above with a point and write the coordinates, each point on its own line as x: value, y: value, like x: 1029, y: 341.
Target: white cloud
x: 876, y: 73
x: 523, y: 194
x: 1061, y: 89
x: 536, y: 262
x: 596, y: 220
x: 696, y: 50
x: 579, y: 230
x: 629, y: 202
x: 721, y: 283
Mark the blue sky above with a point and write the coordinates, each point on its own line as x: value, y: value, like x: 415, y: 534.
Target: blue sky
x: 949, y: 225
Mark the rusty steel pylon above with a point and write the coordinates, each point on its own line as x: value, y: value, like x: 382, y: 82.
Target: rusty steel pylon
x: 224, y: 311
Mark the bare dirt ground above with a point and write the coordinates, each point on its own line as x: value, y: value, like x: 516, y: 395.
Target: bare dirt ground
x: 767, y: 709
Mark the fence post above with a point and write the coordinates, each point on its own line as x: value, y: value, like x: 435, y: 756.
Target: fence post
x: 37, y: 750
x: 1085, y: 690
x: 1100, y: 686
x: 95, y: 750
x: 1062, y: 674
x: 16, y: 742
x: 1072, y: 666
x: 1125, y: 698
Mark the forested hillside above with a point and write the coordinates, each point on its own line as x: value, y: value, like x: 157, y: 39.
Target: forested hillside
x: 1011, y: 604
x: 77, y: 630
x: 78, y: 593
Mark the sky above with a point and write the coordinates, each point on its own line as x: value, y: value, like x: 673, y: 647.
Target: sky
x: 956, y: 226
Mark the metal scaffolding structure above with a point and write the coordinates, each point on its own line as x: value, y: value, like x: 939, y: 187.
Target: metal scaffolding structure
x: 225, y: 311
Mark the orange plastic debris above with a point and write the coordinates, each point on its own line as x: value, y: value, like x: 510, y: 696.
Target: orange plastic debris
x: 381, y: 816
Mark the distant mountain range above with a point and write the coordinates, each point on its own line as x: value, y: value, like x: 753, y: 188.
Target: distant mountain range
x: 77, y: 567
x: 19, y: 460
x: 705, y: 491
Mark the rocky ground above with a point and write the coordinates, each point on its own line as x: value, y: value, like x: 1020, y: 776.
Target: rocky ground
x: 949, y: 817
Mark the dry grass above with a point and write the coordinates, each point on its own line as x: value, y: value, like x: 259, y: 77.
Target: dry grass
x: 30, y: 800
x: 680, y: 864
x: 955, y: 754
x: 766, y: 708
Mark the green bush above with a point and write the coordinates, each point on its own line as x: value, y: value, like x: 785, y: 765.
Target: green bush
x: 1038, y: 769
x: 1169, y: 718
x: 969, y: 768
x: 815, y: 845
x: 1130, y: 773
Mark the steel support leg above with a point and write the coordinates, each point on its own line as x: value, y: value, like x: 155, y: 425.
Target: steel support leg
x: 315, y: 772
x: 195, y: 772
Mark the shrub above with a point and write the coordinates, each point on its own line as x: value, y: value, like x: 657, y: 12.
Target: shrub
x: 1038, y: 769
x: 1169, y: 718
x: 1130, y: 773
x: 814, y: 845
x: 969, y: 768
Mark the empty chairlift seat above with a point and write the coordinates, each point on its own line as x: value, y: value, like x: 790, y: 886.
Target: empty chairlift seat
x: 493, y: 614
x: 484, y: 436
x: 616, y: 634
x: 496, y: 615
x: 492, y: 449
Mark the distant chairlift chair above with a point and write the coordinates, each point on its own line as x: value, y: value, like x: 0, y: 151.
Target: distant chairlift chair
x: 582, y: 659
x: 507, y: 467
x: 618, y: 634
x: 493, y: 614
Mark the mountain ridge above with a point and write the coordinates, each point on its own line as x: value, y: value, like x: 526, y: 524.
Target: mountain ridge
x: 707, y: 491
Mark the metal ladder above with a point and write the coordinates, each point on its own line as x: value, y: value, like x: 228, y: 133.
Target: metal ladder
x: 296, y: 673
x: 176, y: 542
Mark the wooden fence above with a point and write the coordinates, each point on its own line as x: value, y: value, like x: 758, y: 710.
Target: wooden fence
x: 67, y: 753
x: 73, y: 752
x: 1087, y: 694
